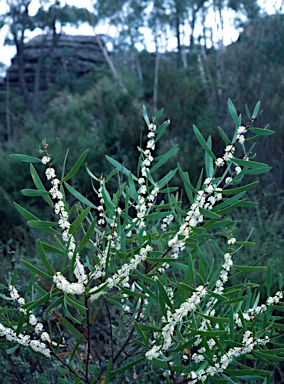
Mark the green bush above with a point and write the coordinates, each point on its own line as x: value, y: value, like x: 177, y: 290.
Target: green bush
x: 126, y: 289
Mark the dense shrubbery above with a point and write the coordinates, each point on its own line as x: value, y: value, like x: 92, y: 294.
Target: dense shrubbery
x: 138, y: 283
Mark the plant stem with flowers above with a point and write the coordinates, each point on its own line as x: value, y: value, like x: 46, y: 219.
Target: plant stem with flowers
x: 143, y: 301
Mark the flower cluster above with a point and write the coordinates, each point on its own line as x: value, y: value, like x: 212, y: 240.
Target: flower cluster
x: 222, y: 363
x: 146, y: 201
x: 251, y: 313
x: 205, y: 199
x: 166, y: 222
x: 150, y: 147
x: 122, y: 273
x: 59, y: 209
x: 173, y: 319
x: 37, y: 345
x: 101, y: 207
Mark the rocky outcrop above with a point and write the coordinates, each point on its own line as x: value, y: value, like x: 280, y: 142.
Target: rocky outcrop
x: 55, y: 57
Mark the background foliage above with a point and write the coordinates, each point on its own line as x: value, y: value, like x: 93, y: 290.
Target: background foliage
x: 191, y: 83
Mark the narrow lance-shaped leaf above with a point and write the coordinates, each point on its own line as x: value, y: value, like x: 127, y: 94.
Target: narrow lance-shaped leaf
x: 203, y: 143
x: 76, y: 167
x: 78, y: 221
x: 73, y: 331
x: 120, y: 167
x: 43, y: 257
x: 208, y: 160
x: 25, y: 158
x: 79, y: 196
x: 256, y: 110
x: 36, y: 270
x: 158, y: 115
x: 34, y: 192
x: 233, y: 112
x: 38, y: 183
x: 25, y: 213
x: 146, y: 118
x: 224, y: 136
x: 163, y: 159
x: 249, y: 163
x: 87, y: 236
x: 262, y: 131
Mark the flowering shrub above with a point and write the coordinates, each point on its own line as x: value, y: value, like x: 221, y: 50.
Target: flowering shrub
x: 130, y: 288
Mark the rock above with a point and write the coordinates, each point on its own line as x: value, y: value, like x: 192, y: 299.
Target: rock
x: 68, y: 54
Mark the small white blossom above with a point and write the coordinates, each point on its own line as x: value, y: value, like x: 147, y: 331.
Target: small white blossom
x: 50, y: 173
x: 238, y: 170
x: 45, y: 160
x: 231, y: 241
x: 219, y: 162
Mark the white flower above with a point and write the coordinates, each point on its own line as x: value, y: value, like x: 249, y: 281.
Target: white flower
x: 50, y: 173
x: 219, y: 162
x: 39, y: 328
x: 238, y: 170
x: 230, y: 148
x: 45, y: 160
x: 152, y: 127
x: 32, y: 320
x: 241, y: 139
x: 241, y: 130
x: 45, y: 336
x: 228, y: 180
x: 231, y: 241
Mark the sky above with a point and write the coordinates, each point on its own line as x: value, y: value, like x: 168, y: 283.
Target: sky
x: 231, y: 34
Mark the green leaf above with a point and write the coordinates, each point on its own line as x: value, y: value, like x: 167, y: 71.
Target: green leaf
x: 256, y: 110
x: 73, y: 331
x: 224, y: 136
x: 25, y: 213
x: 34, y: 192
x: 248, y: 163
x: 78, y: 196
x: 25, y: 159
x: 209, y: 214
x: 234, y: 191
x: 120, y: 167
x: 50, y: 249
x: 127, y: 366
x: 88, y: 235
x: 163, y: 295
x: 41, y: 224
x: 161, y: 130
x: 257, y: 171
x: 36, y: 270
x: 78, y: 221
x: 262, y: 131
x: 190, y: 190
x: 158, y: 115
x: 76, y: 167
x: 209, y: 167
x: 12, y: 350
x: 233, y: 112
x: 75, y: 304
x: 203, y: 143
x: 38, y: 183
x: 146, y: 118
x: 166, y: 179
x: 43, y: 257
x: 163, y: 159
x: 245, y: 268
